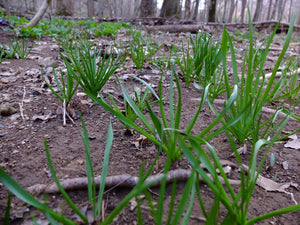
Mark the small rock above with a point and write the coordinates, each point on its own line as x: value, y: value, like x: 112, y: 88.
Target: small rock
x: 7, y: 110
x: 285, y: 165
x: 5, y: 81
x: 48, y: 62
x: 14, y: 117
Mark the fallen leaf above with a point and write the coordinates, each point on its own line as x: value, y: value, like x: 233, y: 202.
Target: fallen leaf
x: 294, y: 143
x: 270, y: 185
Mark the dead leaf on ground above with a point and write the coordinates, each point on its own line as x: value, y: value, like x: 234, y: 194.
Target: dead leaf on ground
x: 294, y: 143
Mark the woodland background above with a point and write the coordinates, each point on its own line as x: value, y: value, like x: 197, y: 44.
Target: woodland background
x: 221, y: 11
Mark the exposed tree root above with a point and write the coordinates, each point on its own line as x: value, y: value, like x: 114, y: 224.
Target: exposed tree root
x: 116, y: 181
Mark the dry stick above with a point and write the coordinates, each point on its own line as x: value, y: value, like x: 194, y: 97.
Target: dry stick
x: 21, y: 103
x: 120, y: 180
x: 64, y: 113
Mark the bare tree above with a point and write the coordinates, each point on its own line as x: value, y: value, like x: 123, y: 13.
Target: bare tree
x: 64, y: 7
x: 298, y: 14
x: 258, y: 10
x: 195, y: 14
x: 231, y: 10
x: 290, y: 11
x: 90, y: 8
x: 36, y: 19
x: 269, y: 10
x: 274, y: 10
x: 147, y: 8
x: 224, y: 13
x: 279, y: 9
x: 187, y: 9
x: 171, y: 8
x: 244, y: 2
x: 212, y: 11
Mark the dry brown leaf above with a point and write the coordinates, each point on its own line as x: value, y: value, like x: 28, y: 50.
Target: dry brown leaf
x: 293, y: 143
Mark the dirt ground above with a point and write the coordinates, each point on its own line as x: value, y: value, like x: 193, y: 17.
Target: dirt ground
x: 22, y: 153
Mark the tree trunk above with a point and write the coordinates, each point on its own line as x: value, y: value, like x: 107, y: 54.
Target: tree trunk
x: 170, y: 8
x: 279, y: 7
x: 38, y: 16
x: 231, y: 11
x: 274, y: 10
x: 225, y: 10
x: 258, y: 10
x: 147, y: 8
x: 187, y: 9
x: 298, y: 13
x: 90, y: 8
x: 212, y: 11
x: 195, y: 15
x: 269, y: 10
x: 244, y: 2
x: 290, y: 11
x: 64, y: 7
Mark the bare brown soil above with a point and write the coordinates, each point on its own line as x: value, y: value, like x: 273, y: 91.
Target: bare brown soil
x: 22, y: 152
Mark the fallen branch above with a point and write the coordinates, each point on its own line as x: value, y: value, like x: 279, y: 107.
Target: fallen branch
x: 125, y: 180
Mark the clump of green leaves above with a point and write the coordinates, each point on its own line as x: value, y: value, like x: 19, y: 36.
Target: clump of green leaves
x: 289, y: 88
x: 17, y: 49
x: 207, y: 57
x: 137, y: 50
x: 141, y: 99
x: 88, y: 67
x: 67, y: 89
x: 255, y: 89
x: 60, y: 27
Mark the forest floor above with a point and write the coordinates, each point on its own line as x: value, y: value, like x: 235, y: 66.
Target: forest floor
x: 22, y: 151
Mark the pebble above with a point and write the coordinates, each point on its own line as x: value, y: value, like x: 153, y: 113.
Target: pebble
x: 7, y: 110
x: 15, y: 117
x: 5, y: 81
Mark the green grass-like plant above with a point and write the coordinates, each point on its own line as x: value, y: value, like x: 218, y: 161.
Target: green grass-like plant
x: 141, y: 99
x: 207, y: 57
x: 87, y: 67
x: 289, y: 89
x: 186, y: 64
x: 22, y: 48
x: 137, y: 50
x: 161, y: 128
x: 17, y: 48
x: 254, y: 89
x: 66, y: 86
x: 236, y: 203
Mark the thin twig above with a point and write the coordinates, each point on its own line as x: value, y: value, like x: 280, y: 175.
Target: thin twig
x: 64, y: 113
x: 21, y: 103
